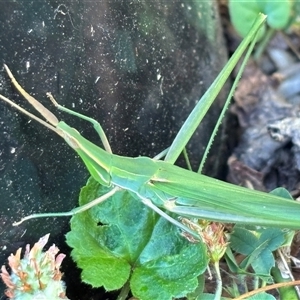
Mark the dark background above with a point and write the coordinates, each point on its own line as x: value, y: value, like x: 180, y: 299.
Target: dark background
x: 138, y: 67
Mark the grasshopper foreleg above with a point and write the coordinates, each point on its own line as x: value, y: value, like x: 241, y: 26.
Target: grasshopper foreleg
x: 74, y: 211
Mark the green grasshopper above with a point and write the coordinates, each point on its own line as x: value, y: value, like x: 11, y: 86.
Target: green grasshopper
x: 162, y: 184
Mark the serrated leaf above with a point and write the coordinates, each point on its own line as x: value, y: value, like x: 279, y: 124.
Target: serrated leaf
x: 242, y: 240
x: 272, y: 237
x: 121, y: 239
x: 263, y: 263
x: 269, y: 240
x: 258, y: 247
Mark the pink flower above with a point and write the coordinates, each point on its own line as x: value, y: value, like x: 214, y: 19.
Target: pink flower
x: 36, y: 275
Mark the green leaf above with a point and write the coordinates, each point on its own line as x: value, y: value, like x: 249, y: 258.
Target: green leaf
x: 122, y: 240
x: 232, y: 264
x: 243, y: 14
x: 207, y: 296
x: 282, y: 192
x: 199, y: 290
x: 242, y: 240
x: 278, y: 12
x: 262, y: 296
x: 258, y: 247
x: 289, y: 234
x: 263, y: 263
x: 285, y: 292
x: 272, y: 238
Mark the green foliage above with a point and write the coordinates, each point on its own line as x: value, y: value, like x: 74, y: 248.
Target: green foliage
x: 262, y: 296
x: 257, y: 246
x: 244, y: 12
x: 285, y: 292
x: 206, y: 296
x: 122, y: 243
x: 121, y: 240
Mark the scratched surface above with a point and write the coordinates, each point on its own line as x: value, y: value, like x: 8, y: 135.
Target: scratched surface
x: 136, y: 66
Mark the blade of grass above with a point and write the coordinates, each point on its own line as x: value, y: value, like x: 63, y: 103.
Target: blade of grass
x: 200, y: 110
x: 225, y: 107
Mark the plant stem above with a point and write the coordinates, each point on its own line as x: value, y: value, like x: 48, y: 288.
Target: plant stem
x: 124, y: 291
x: 263, y: 44
x: 187, y: 160
x: 218, y: 292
